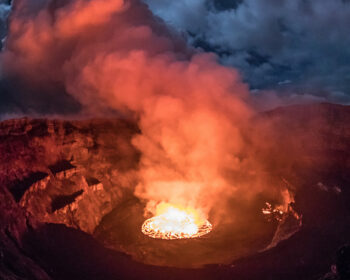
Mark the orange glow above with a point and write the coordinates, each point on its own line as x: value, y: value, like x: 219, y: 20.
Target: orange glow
x: 114, y: 56
x: 176, y: 222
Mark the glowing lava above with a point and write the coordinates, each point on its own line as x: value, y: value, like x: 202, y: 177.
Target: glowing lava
x: 176, y: 222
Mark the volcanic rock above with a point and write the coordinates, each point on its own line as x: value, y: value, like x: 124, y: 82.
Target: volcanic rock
x: 47, y: 163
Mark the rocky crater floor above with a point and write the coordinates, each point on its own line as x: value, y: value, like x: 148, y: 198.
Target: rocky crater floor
x: 67, y: 207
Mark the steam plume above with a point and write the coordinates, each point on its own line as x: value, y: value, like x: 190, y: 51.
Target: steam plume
x: 115, y: 55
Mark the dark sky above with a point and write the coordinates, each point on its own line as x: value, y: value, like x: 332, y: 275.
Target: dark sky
x: 295, y: 47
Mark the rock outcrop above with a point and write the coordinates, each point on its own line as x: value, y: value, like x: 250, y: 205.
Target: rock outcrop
x: 14, y: 223
x: 67, y: 172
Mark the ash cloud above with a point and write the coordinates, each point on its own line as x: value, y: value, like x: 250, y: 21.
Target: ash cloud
x: 296, y: 48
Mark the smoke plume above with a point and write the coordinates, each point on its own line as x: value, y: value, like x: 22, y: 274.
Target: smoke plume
x: 113, y: 56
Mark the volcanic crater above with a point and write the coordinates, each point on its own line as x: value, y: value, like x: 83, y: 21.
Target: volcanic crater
x: 69, y: 186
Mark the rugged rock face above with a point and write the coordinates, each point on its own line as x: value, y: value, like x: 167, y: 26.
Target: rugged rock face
x: 67, y: 172
x: 59, y: 179
x: 62, y: 172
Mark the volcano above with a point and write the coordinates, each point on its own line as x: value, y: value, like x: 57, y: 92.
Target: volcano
x: 68, y: 209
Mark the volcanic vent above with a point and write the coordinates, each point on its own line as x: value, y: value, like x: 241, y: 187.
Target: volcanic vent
x: 176, y: 222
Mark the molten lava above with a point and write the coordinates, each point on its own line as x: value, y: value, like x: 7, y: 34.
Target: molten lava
x: 176, y: 222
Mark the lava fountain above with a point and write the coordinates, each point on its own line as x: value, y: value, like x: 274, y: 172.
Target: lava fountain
x: 176, y: 222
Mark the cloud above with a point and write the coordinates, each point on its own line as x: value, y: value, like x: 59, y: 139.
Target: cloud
x: 5, y: 8
x: 303, y: 41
